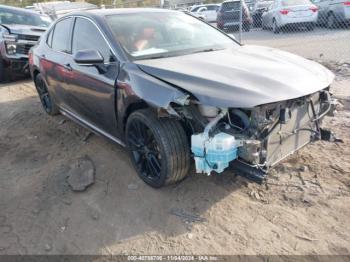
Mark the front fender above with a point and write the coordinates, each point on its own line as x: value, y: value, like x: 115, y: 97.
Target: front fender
x: 137, y: 87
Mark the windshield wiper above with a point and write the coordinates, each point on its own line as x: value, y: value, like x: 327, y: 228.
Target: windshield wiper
x: 206, y: 50
x: 158, y: 56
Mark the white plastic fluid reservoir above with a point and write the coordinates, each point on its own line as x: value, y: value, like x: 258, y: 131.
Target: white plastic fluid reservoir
x: 214, y: 153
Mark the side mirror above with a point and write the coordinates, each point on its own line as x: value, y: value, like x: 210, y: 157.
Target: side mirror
x: 88, y: 57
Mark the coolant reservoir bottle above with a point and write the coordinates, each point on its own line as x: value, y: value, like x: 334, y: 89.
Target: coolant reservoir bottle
x: 214, y: 153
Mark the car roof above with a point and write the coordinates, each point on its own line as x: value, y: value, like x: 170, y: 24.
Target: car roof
x: 115, y: 11
x: 100, y: 13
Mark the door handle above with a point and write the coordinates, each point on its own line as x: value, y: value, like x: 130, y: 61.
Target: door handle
x: 68, y: 67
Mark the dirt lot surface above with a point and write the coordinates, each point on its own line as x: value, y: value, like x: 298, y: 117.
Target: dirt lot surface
x: 304, y: 207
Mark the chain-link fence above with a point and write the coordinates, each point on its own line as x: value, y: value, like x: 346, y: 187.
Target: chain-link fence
x: 312, y: 30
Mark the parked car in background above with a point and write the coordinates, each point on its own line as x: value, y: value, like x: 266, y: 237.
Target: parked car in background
x: 333, y: 13
x: 290, y: 14
x: 20, y: 29
x: 228, y: 17
x: 209, y: 12
x: 166, y: 89
x: 259, y: 8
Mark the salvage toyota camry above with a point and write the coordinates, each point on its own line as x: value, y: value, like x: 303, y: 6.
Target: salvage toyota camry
x: 172, y: 88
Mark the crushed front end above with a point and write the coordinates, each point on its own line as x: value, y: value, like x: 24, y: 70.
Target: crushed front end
x: 254, y: 140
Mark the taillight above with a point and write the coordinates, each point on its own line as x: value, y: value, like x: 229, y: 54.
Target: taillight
x: 314, y: 9
x: 284, y: 11
x: 347, y: 3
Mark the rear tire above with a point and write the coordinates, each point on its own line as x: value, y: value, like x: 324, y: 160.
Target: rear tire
x: 275, y: 28
x: 46, y: 99
x: 158, y: 148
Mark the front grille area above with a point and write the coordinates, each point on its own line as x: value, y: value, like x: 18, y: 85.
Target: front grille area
x: 28, y: 37
x: 283, y: 140
x: 23, y: 49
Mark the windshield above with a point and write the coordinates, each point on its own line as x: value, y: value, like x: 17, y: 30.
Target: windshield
x: 21, y: 18
x: 161, y: 34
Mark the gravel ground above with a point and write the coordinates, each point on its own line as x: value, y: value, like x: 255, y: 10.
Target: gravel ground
x: 304, y: 207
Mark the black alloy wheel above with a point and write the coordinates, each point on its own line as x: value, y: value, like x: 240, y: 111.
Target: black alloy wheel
x: 158, y: 148
x: 44, y: 95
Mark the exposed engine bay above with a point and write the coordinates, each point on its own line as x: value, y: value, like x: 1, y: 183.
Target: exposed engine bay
x: 254, y: 140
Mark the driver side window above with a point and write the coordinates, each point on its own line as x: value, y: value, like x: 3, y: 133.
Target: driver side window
x: 87, y: 36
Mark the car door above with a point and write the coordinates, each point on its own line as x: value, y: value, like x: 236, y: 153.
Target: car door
x: 91, y: 93
x: 54, y: 56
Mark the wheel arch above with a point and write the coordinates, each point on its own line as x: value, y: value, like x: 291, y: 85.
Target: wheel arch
x: 132, y: 107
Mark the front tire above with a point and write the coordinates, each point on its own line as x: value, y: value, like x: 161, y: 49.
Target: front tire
x: 158, y: 148
x: 46, y: 99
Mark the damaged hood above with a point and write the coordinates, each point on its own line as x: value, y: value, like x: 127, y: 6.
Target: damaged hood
x: 244, y: 76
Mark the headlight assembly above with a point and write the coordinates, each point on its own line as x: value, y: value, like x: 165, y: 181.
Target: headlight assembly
x: 11, y: 49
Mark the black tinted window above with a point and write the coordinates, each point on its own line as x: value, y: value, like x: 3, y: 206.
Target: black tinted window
x: 87, y: 36
x: 60, y: 39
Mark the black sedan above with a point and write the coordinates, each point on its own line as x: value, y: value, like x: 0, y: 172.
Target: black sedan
x: 171, y: 87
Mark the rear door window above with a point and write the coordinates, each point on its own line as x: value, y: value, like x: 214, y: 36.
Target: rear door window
x: 61, y: 36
